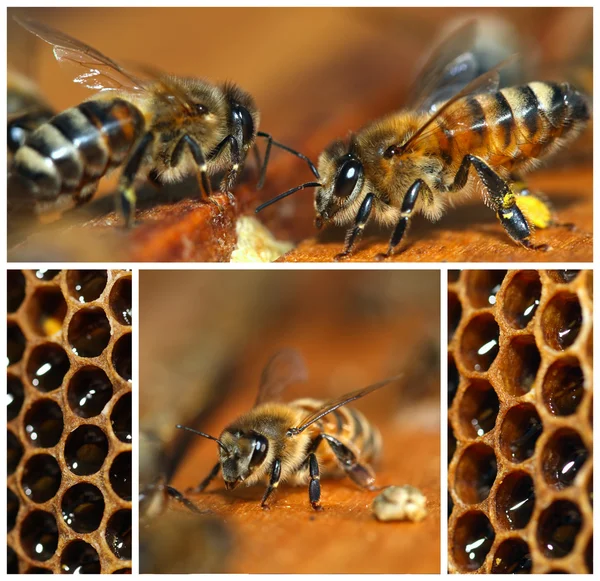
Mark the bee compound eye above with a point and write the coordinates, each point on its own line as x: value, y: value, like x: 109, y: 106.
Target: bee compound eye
x: 240, y: 116
x: 347, y: 178
x: 201, y: 109
x: 260, y: 447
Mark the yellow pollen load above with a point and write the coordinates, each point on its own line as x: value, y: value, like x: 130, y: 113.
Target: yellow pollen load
x: 536, y: 211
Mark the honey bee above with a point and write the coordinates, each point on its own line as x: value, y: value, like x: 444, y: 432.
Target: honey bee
x: 419, y: 159
x: 298, y: 441
x: 159, y: 125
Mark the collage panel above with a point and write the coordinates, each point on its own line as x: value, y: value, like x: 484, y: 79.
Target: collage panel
x: 208, y: 340
x: 69, y: 421
x: 520, y: 421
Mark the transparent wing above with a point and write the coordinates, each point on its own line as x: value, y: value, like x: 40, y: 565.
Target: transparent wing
x: 99, y: 71
x: 285, y: 367
x: 339, y: 402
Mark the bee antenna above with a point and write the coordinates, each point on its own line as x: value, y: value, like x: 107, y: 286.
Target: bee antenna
x: 311, y: 165
x: 203, y: 435
x: 288, y: 193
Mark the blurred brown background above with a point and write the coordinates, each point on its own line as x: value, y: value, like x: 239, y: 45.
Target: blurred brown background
x: 204, y: 339
x: 316, y: 73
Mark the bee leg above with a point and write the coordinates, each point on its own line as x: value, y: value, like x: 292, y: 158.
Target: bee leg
x: 537, y: 208
x: 126, y: 192
x: 199, y: 158
x: 273, y: 482
x: 503, y: 200
x: 314, y: 486
x: 359, y: 225
x: 408, y: 205
x: 360, y: 474
x: 174, y: 493
x: 213, y: 473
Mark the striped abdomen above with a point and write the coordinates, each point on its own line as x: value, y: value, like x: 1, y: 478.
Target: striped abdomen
x: 512, y: 126
x: 72, y: 151
x: 347, y: 425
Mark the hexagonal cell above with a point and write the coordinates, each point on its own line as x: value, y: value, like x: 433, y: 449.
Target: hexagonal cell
x: 520, y: 365
x: 85, y: 450
x: 454, y: 313
x: 512, y: 557
x: 14, y: 396
x: 118, y: 534
x: 479, y: 343
x: 120, y: 475
x: 515, y: 500
x: 475, y: 473
x: 15, y: 290
x: 121, y: 356
x: 563, y: 456
x: 79, y: 557
x: 46, y: 311
x: 89, y: 391
x: 83, y: 507
x: 561, y: 320
x: 519, y: 433
x: 44, y: 423
x: 453, y: 379
x: 120, y: 418
x: 45, y: 273
x: 472, y: 541
x: 563, y: 389
x: 522, y: 298
x: 86, y: 285
x: 120, y: 300
x: 483, y: 286
x: 478, y: 408
x: 47, y: 366
x: 39, y: 535
x: 563, y: 276
x: 89, y: 332
x: 12, y: 561
x: 14, y: 452
x: 12, y: 509
x: 41, y: 478
x: 558, y: 528
x: 15, y: 343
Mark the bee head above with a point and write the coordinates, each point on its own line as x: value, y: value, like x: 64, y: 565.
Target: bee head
x: 243, y: 115
x: 242, y: 454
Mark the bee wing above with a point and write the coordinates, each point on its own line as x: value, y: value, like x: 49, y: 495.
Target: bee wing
x: 100, y: 72
x: 339, y: 402
x: 285, y: 367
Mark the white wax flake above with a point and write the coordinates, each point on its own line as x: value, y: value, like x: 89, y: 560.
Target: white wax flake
x: 400, y: 503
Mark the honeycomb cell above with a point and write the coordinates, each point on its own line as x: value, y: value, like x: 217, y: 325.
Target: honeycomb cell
x: 120, y: 475
x: 89, y: 332
x: 12, y: 562
x: 454, y: 313
x: 41, y: 478
x: 89, y: 391
x: 472, y: 540
x: 44, y: 423
x: 561, y: 321
x: 563, y: 276
x: 120, y: 300
x: 563, y: 456
x: 85, y: 450
x: 453, y: 379
x: 483, y: 286
x: 86, y: 285
x: 14, y: 396
x: 478, y: 408
x: 47, y: 366
x: 39, y: 535
x: 475, y: 473
x: 512, y: 557
x: 15, y: 290
x: 46, y: 311
x: 522, y: 298
x: 480, y: 343
x: 45, y: 273
x: 121, y: 356
x: 12, y: 509
x: 121, y: 418
x: 83, y: 507
x: 15, y: 343
x: 78, y: 558
x: 118, y: 534
x: 563, y: 388
x: 558, y: 528
x: 520, y: 365
x: 515, y: 500
x: 14, y: 452
x: 520, y: 431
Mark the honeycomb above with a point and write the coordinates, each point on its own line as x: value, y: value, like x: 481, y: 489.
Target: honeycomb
x: 69, y: 421
x: 520, y: 421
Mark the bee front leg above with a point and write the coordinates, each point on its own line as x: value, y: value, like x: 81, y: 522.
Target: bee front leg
x: 359, y: 225
x: 360, y: 474
x: 211, y: 476
x: 314, y: 486
x: 273, y: 482
x: 199, y: 159
x: 126, y: 194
